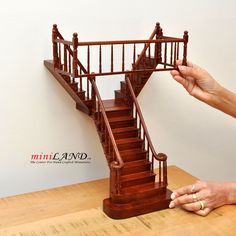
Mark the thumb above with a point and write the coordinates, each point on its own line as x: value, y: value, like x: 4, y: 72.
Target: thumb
x: 194, y: 72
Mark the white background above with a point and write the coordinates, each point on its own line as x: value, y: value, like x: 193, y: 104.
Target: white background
x: 38, y: 116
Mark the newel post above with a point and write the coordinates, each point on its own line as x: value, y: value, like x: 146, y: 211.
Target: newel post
x: 54, y: 46
x: 75, y: 52
x: 185, y: 37
x: 159, y: 35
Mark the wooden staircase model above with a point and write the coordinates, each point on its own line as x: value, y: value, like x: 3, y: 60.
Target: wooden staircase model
x: 134, y: 187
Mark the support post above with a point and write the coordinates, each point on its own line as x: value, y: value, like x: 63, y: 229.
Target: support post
x: 54, y: 46
x: 185, y: 37
x: 75, y: 56
x: 159, y: 35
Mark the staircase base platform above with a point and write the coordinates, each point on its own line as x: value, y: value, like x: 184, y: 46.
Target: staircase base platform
x: 135, y: 208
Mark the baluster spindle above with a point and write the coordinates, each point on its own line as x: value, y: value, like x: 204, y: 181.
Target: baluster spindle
x: 152, y: 162
x: 134, y: 54
x: 59, y: 48
x: 100, y: 59
x: 175, y: 52
x: 80, y: 80
x: 112, y: 58
x: 144, y: 57
x: 88, y: 90
x: 65, y: 58
x: 54, y: 45
x: 88, y: 58
x: 123, y: 57
x: 160, y: 172
x: 139, y: 129
x: 149, y: 54
x: 69, y: 63
x: 75, y: 56
x: 165, y: 173
x: 171, y: 54
x: 165, y: 57
x: 99, y: 114
x: 185, y: 37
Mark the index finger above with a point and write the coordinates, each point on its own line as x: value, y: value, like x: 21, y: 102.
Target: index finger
x: 184, y: 190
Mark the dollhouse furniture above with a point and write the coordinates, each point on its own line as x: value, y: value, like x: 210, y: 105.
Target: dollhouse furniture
x: 134, y: 186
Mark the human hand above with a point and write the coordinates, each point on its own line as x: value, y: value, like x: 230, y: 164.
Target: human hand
x: 202, y: 197
x: 197, y: 81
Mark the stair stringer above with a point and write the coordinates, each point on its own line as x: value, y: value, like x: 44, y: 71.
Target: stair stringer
x: 80, y: 105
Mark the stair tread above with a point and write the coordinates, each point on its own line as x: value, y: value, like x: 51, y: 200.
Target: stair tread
x: 133, y: 151
x: 124, y: 129
x: 114, y: 105
x: 136, y: 163
x: 120, y: 118
x: 128, y: 140
x: 142, y: 188
x: 138, y: 175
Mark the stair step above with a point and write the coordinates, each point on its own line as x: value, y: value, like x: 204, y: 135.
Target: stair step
x: 133, y: 154
x: 66, y: 78
x: 126, y: 132
x: 122, y: 121
x: 133, y: 193
x: 123, y: 86
x: 137, y: 207
x: 74, y: 86
x: 137, y: 178
x: 120, y: 95
x: 81, y: 94
x: 136, y: 166
x: 116, y: 107
x: 129, y: 143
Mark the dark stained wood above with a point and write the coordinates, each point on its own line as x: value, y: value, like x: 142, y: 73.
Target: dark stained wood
x: 75, y: 58
x: 185, y: 47
x: 100, y: 59
x: 79, y: 103
x: 134, y: 187
x: 112, y: 60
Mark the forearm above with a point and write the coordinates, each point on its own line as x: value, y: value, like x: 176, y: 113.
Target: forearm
x: 225, y: 101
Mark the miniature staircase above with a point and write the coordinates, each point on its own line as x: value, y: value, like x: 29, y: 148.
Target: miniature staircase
x: 140, y: 193
x: 134, y: 187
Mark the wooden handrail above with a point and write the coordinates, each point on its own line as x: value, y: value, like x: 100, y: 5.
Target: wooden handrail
x: 156, y: 38
x: 134, y: 99
x: 68, y: 44
x: 148, y: 41
x: 146, y: 46
x: 120, y: 162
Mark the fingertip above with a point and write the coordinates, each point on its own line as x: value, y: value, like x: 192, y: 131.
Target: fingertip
x: 173, y: 196
x: 174, y: 72
x: 172, y: 205
x: 182, y: 69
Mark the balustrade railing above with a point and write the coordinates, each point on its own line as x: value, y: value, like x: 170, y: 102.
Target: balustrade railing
x: 158, y: 53
x: 144, y: 135
x: 112, y: 153
x: 129, y: 57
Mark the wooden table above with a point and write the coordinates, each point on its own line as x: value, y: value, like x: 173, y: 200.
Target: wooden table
x: 76, y: 210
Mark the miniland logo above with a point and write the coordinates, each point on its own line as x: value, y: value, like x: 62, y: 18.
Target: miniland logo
x: 60, y: 158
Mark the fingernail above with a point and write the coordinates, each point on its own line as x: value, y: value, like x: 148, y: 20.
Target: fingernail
x: 172, y: 196
x: 171, y: 205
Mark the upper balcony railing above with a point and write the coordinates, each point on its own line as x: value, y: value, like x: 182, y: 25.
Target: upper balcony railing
x: 117, y: 57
